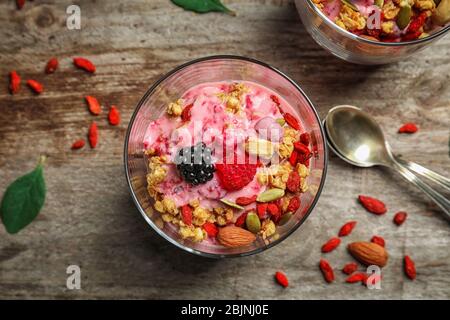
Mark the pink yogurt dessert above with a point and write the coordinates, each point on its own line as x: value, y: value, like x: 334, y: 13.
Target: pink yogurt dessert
x: 228, y: 162
x: 387, y: 20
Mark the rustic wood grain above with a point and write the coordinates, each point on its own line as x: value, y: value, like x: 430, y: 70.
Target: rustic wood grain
x: 89, y: 218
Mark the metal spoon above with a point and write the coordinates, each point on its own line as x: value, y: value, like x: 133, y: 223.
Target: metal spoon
x: 358, y: 139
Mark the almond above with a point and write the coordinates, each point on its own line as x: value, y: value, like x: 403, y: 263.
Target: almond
x: 232, y: 236
x: 368, y: 253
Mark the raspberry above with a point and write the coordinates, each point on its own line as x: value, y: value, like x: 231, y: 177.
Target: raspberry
x: 235, y: 176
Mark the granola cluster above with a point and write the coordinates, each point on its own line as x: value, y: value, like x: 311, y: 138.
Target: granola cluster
x: 350, y: 19
x: 233, y: 98
x: 287, y: 142
x: 281, y: 183
x: 157, y: 173
x: 398, y: 20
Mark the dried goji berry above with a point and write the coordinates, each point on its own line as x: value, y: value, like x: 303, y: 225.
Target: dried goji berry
x: 211, y: 229
x: 374, y: 33
x: 304, y: 159
x: 372, y: 205
x: 294, y: 204
x: 293, y: 158
x: 291, y: 121
x: 114, y: 116
x: 244, y: 201
x: 400, y: 217
x: 275, y: 99
x: 331, y: 244
x: 305, y: 138
x: 282, y: 279
x: 84, y: 64
x: 412, y: 36
x: 347, y: 228
x: 293, y: 182
x: 261, y: 209
x: 357, y: 277
x: 186, y: 113
x: 408, y: 128
x: 273, y: 209
x: 378, y: 240
x: 93, y: 105
x: 78, y: 144
x: 241, y: 220
x: 417, y: 23
x: 327, y: 270
x: 93, y: 135
x: 20, y: 4
x: 51, y: 66
x: 35, y: 86
x: 349, y: 268
x: 186, y: 215
x: 410, y: 267
x: 301, y: 148
x: 14, y: 82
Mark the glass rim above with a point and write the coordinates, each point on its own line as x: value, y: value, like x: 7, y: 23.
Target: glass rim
x: 377, y: 43
x: 160, y: 231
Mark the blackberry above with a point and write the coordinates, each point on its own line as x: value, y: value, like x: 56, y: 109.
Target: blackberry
x: 194, y: 164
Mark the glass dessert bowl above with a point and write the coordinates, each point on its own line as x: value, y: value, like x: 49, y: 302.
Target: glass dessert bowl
x: 225, y: 156
x: 375, y: 31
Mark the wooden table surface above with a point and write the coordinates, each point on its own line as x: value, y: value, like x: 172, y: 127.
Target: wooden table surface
x: 89, y: 218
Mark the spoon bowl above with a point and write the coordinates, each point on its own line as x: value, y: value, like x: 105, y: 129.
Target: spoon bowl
x: 357, y: 137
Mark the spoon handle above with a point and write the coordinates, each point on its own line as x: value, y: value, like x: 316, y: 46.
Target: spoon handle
x: 438, y: 198
x: 426, y: 173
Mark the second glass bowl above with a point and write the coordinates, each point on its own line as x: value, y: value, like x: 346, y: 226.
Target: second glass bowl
x: 356, y: 49
x: 213, y: 69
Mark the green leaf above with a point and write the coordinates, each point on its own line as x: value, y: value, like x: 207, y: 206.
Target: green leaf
x: 203, y: 6
x: 23, y: 199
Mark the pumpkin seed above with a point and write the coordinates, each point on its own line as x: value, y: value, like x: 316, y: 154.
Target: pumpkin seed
x: 231, y: 204
x: 281, y: 121
x: 350, y: 4
x: 404, y: 16
x: 270, y: 195
x: 285, y: 218
x: 252, y: 222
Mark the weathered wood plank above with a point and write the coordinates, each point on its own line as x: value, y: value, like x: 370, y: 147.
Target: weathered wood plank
x: 89, y: 218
